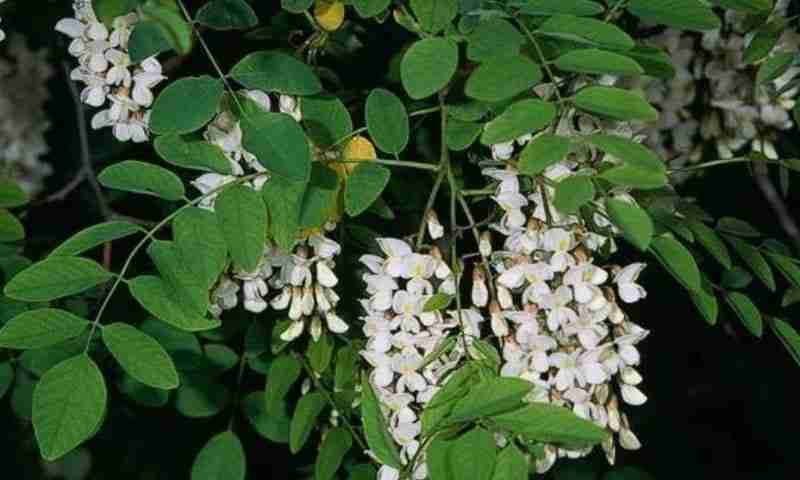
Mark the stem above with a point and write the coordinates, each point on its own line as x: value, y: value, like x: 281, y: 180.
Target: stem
x: 715, y: 163
x: 428, y: 206
x: 474, y: 228
x: 394, y: 163
x: 328, y: 398
x: 542, y: 60
x: 360, y: 130
x: 209, y: 54
x: 83, y: 136
x: 148, y: 236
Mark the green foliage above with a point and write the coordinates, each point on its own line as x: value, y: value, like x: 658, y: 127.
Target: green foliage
x: 428, y: 66
x: 746, y: 311
x: 55, y: 277
x: 283, y: 199
x: 279, y: 144
x: 494, y: 37
x: 387, y: 121
x: 242, y: 219
x: 521, y: 117
x: 170, y: 114
x: 635, y: 224
x: 305, y: 416
x: 335, y: 445
x: 140, y: 177
x: 615, y: 103
x: 573, y: 193
x: 364, y: 186
x: 184, y: 152
x: 68, y: 405
x: 501, y: 78
x: 41, y: 328
x: 276, y: 72
x: 677, y: 261
x: 95, y: 235
x: 140, y: 356
x: 378, y: 438
x: 598, y: 62
x: 684, y: 14
x: 326, y: 119
x: 227, y: 15
x: 221, y: 458
x: 541, y: 152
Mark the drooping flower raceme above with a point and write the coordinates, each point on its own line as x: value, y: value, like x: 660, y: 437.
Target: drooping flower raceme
x: 556, y: 313
x: 401, y: 334
x: 2, y: 33
x: 23, y: 120
x: 111, y: 81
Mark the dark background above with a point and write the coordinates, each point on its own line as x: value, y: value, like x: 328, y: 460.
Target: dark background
x: 720, y: 402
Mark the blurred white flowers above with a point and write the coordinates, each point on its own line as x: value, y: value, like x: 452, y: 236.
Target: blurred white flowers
x: 23, y: 120
x: 110, y: 79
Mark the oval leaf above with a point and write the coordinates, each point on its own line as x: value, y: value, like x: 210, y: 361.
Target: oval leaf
x: 276, y: 72
x: 387, y: 121
x: 502, y: 78
x: 170, y: 115
x: 41, y: 328
x: 242, y: 219
x: 521, y: 117
x: 364, y: 186
x: 54, y: 278
x: 615, y: 103
x: 635, y: 224
x: 141, y: 177
x: 428, y: 66
x: 222, y: 458
x: 141, y: 356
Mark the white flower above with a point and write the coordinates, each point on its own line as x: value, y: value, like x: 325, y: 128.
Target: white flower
x: 579, y: 368
x: 396, y: 253
x: 559, y: 313
x: 584, y: 280
x: 560, y: 242
x: 435, y: 228
x: 629, y: 290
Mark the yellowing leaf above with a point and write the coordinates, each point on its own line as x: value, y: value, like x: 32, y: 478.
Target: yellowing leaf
x: 329, y: 14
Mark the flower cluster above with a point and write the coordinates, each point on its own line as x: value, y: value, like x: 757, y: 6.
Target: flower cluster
x: 23, y: 120
x: 303, y: 279
x: 401, y: 334
x: 736, y: 112
x: 556, y: 313
x: 110, y: 79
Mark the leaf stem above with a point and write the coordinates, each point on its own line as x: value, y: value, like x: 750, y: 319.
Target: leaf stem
x: 393, y: 163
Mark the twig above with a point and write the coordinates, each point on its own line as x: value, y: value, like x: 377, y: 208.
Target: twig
x: 83, y: 136
x: 61, y: 194
x: 761, y: 177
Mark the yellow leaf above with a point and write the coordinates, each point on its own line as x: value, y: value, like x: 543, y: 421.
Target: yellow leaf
x: 329, y: 14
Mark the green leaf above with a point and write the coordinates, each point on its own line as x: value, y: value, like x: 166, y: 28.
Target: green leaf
x: 546, y: 8
x: 787, y: 266
x: 709, y: 239
x: 192, y: 154
x: 706, y: 303
x: 364, y: 186
x: 174, y: 27
x: 764, y: 40
x: 326, y: 119
x: 747, y: 6
x: 736, y: 277
x: 455, y: 387
x: 283, y: 199
x: 185, y: 287
x: 522, y: 117
x: 54, y: 278
x: 597, y: 62
x: 635, y: 224
x: 654, y: 61
x: 460, y: 135
x: 746, y: 311
x: 96, y: 235
x: 320, y: 353
x: 542, y: 422
x: 472, y: 455
x: 147, y: 40
x: 774, y: 67
x: 632, y: 154
x: 320, y: 198
x: 587, y: 30
x: 305, y: 416
x: 140, y: 177
x: 41, y: 328
x: 6, y: 377
x: 200, y: 397
x: 572, y: 193
x: 501, y: 78
x: 284, y: 371
x: 511, y: 465
x: 242, y: 219
x: 683, y: 14
x: 272, y: 426
x: 615, y: 103
x: 737, y: 227
x: 227, y: 15
x: 11, y: 229
x: 753, y: 258
x: 345, y: 377
x: 296, y: 6
x: 677, y: 260
x: 434, y: 15
x: 379, y: 439
x: 334, y: 447
x: 790, y: 297
x: 108, y: 10
x: 276, y: 72
x: 428, y: 66
x: 142, y: 394
x: 783, y: 330
x: 279, y: 144
x: 387, y: 121
x: 156, y: 296
x: 11, y: 195
x: 222, y: 458
x: 370, y: 8
x: 141, y: 356
x: 201, y: 243
x: 490, y: 397
x: 69, y: 403
x: 635, y: 177
x: 437, y: 301
x: 170, y: 115
x: 494, y: 37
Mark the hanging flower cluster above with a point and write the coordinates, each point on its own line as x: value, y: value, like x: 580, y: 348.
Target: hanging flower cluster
x: 736, y: 112
x: 304, y: 280
x: 110, y: 79
x: 556, y: 312
x: 23, y: 120
x: 401, y: 334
